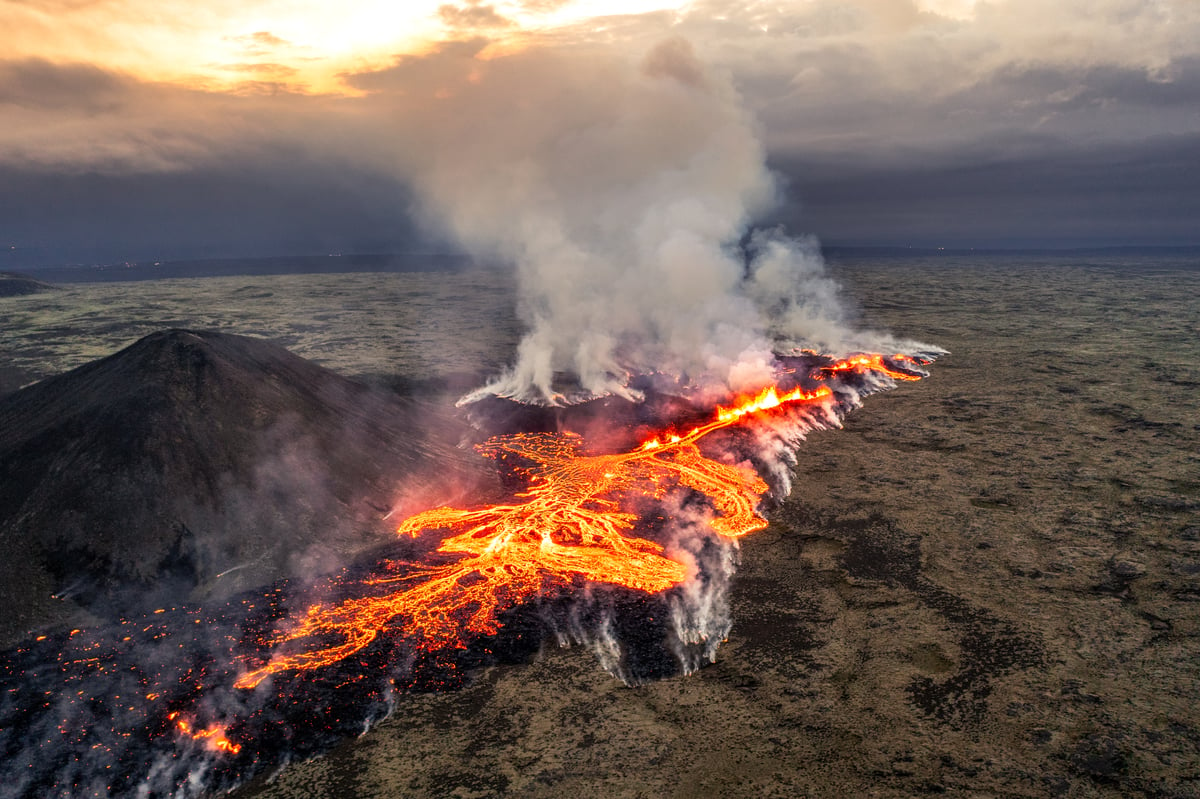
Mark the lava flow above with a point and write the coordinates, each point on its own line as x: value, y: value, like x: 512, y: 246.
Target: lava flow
x: 213, y: 735
x: 574, y: 522
x: 162, y: 703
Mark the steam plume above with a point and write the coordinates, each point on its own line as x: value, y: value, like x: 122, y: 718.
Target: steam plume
x: 624, y: 192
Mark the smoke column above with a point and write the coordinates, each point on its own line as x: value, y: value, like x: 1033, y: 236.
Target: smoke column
x: 623, y: 192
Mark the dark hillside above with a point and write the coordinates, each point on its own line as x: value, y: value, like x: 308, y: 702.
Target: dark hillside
x: 13, y: 284
x: 195, y: 463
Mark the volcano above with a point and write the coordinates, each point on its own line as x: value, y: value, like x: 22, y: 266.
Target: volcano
x: 145, y: 488
x: 193, y: 465
x: 14, y: 284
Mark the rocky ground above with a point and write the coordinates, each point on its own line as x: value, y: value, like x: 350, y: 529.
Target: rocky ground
x: 986, y: 585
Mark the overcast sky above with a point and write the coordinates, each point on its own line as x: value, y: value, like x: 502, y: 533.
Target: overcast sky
x: 156, y: 129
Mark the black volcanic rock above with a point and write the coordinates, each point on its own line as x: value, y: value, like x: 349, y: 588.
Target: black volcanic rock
x: 195, y: 464
x: 13, y: 284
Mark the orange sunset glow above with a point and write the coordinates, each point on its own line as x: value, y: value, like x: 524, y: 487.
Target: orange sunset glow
x: 296, y: 44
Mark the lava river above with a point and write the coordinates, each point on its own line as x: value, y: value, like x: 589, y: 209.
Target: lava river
x: 192, y: 700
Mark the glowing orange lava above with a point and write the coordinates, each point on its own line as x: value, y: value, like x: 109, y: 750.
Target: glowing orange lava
x: 873, y: 363
x: 573, y: 522
x: 213, y: 735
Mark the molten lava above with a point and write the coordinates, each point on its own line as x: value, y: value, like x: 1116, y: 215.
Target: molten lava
x: 574, y: 522
x: 873, y: 363
x: 143, y: 705
x: 213, y: 735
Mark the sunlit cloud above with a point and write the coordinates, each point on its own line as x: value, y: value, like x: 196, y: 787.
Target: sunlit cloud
x: 306, y: 44
x: 866, y: 87
x: 954, y: 9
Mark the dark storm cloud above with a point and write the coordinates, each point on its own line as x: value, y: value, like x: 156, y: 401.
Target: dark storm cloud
x: 1106, y: 195
x: 66, y: 118
x: 1014, y: 126
x: 290, y: 206
x: 850, y: 103
x: 1042, y: 88
x: 1018, y: 122
x: 99, y: 167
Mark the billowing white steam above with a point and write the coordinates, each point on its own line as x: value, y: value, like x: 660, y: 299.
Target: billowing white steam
x: 623, y: 192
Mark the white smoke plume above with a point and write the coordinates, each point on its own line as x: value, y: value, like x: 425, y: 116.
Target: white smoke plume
x: 624, y: 193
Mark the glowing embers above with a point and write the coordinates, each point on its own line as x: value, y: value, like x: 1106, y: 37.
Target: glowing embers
x: 212, y: 736
x: 878, y: 364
